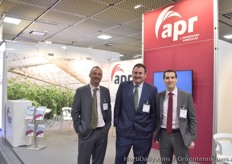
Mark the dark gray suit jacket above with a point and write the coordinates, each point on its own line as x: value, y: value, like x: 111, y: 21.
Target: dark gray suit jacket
x: 81, y: 110
x: 187, y: 125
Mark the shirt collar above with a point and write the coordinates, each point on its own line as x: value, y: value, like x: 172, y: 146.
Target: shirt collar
x: 92, y: 87
x: 174, y: 91
x: 140, y: 85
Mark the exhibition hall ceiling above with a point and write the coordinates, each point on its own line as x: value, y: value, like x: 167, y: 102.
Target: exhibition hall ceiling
x: 75, y: 24
x: 79, y: 22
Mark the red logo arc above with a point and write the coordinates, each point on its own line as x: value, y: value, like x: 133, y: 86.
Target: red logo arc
x: 116, y: 69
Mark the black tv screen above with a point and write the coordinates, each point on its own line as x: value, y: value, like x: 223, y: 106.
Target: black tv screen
x: 184, y: 80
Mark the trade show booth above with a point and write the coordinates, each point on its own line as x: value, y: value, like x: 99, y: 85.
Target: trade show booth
x: 56, y: 71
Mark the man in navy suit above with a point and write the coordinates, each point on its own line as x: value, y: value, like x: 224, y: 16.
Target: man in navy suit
x: 134, y: 125
x: 92, y: 137
x: 182, y: 135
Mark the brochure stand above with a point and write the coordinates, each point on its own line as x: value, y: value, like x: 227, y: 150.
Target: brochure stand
x: 35, y: 128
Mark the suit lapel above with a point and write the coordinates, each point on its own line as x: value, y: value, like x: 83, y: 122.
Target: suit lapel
x: 162, y: 97
x: 88, y: 96
x: 179, y: 101
x: 102, y: 98
x: 130, y: 93
x: 144, y: 93
x: 88, y: 91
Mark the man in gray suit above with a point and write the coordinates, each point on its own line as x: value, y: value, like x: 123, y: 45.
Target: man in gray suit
x: 182, y: 135
x: 92, y: 137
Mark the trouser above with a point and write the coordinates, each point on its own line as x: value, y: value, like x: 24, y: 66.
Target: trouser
x: 141, y: 149
x: 172, y: 144
x: 94, y: 146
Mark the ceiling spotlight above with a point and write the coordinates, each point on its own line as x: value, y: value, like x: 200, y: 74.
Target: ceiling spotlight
x: 138, y: 6
x: 145, y: 7
x: 48, y: 42
x: 228, y: 36
x: 104, y: 37
x: 38, y: 33
x: 12, y: 20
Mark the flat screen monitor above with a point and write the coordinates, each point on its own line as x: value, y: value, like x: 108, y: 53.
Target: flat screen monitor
x: 184, y: 82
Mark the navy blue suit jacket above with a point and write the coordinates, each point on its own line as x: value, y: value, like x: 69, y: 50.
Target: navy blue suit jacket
x: 129, y: 122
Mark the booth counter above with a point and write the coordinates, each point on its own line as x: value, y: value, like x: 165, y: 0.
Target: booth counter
x: 16, y: 123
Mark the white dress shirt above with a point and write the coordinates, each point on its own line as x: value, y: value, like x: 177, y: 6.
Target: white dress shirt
x: 175, y: 123
x: 140, y: 87
x: 101, y: 121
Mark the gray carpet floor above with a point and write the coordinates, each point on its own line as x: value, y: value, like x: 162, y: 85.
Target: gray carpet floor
x: 61, y: 147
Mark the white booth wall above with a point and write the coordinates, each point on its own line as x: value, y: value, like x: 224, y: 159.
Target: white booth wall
x: 1, y: 79
x: 224, y: 87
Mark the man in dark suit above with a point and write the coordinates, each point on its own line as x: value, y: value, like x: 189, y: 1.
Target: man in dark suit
x: 92, y: 136
x: 178, y: 137
x: 134, y: 118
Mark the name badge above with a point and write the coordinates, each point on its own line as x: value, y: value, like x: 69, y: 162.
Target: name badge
x: 183, y: 112
x: 105, y: 106
x: 146, y: 108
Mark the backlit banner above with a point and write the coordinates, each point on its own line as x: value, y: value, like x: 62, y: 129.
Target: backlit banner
x: 181, y: 23
x: 120, y: 72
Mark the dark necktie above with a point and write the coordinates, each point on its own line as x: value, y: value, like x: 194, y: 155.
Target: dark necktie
x: 136, y: 97
x: 94, y: 115
x: 169, y: 117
